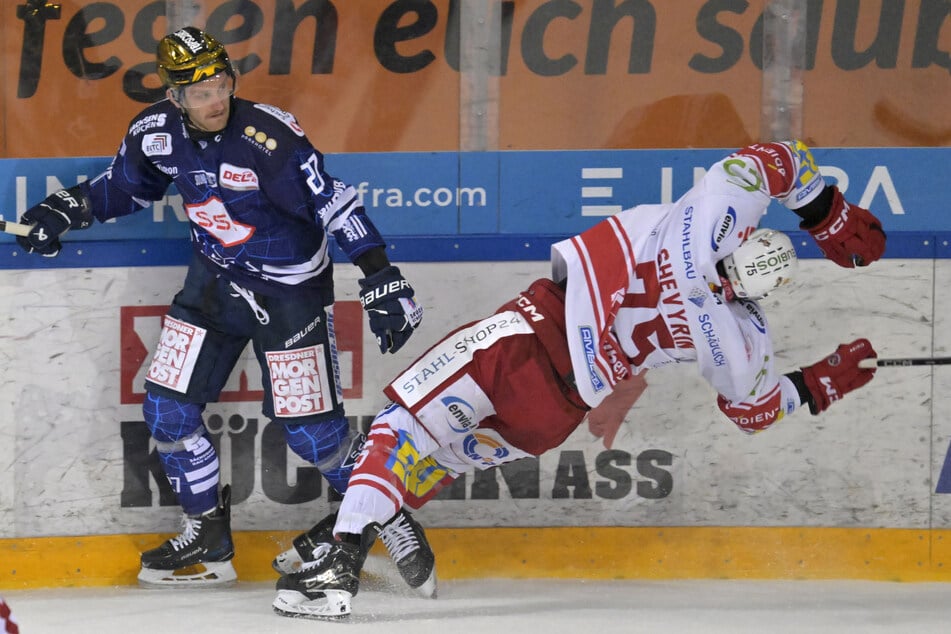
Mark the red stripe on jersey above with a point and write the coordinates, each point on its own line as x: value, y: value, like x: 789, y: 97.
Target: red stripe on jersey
x: 777, y: 165
x: 756, y: 416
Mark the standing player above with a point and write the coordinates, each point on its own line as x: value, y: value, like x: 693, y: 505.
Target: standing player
x: 261, y: 209
x: 653, y: 285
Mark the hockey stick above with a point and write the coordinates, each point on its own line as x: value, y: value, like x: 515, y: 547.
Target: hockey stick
x: 15, y: 228
x: 907, y: 361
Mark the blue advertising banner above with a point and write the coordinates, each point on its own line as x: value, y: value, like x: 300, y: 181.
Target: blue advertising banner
x: 444, y: 206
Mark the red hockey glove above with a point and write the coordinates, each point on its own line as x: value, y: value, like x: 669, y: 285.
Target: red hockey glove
x: 849, y: 236
x: 838, y: 374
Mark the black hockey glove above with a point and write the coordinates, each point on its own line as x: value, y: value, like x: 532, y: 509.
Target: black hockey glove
x: 58, y: 213
x: 393, y: 311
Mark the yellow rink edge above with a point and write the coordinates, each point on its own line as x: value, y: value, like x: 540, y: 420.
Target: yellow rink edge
x: 875, y: 554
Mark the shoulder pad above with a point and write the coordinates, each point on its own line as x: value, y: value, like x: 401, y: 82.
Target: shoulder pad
x: 283, y: 116
x: 155, y: 116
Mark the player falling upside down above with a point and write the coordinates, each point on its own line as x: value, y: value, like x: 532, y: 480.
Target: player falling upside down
x: 261, y: 208
x: 653, y: 285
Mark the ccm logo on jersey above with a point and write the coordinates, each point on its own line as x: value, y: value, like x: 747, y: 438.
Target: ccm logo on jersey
x: 237, y: 178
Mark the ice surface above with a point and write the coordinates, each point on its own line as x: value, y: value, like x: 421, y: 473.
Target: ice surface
x: 494, y: 605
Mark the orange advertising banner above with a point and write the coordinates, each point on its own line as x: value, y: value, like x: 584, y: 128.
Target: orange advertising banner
x: 442, y: 75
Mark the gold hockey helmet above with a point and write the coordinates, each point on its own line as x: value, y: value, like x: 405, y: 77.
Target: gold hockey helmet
x: 190, y: 55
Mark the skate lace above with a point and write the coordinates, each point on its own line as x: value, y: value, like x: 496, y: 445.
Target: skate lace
x: 190, y: 528
x: 318, y: 554
x: 399, y: 538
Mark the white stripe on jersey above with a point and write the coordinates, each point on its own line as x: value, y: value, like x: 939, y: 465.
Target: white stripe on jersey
x: 294, y: 274
x: 355, y: 229
x: 344, y: 200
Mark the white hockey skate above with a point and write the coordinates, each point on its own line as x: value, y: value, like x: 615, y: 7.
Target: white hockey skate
x: 200, y: 556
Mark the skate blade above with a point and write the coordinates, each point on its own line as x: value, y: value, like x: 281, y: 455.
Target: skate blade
x: 428, y: 588
x: 217, y: 574
x: 334, y: 605
x: 288, y: 562
x: 382, y: 575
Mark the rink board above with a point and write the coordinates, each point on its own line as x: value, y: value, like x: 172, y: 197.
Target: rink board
x: 570, y: 553
x: 859, y: 492
x: 76, y: 459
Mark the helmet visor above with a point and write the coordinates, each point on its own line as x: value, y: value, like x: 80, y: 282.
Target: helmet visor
x: 207, y: 92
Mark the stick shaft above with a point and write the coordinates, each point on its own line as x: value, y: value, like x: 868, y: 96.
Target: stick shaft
x: 15, y: 228
x: 904, y: 362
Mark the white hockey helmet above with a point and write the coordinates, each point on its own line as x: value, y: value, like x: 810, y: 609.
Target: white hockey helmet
x: 766, y: 261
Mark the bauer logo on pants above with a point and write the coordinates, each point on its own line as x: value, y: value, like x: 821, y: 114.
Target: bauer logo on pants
x: 175, y: 355
x: 299, y: 381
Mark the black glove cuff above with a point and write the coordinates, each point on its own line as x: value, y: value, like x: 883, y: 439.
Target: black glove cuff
x: 817, y: 209
x: 387, y: 274
x: 805, y: 396
x: 372, y: 261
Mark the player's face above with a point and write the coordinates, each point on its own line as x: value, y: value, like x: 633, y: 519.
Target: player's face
x: 208, y: 102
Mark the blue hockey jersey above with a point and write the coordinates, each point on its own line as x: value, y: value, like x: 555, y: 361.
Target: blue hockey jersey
x: 259, y: 201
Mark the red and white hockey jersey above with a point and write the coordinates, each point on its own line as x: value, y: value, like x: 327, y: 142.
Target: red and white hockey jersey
x: 641, y: 286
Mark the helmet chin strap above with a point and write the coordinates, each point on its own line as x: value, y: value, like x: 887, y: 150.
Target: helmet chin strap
x: 727, y: 289
x: 725, y: 286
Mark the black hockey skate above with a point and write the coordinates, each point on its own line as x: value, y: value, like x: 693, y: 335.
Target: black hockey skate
x: 403, y: 537
x: 200, y: 556
x: 406, y: 542
x: 322, y: 588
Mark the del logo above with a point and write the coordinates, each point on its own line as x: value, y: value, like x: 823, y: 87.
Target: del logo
x: 461, y: 414
x: 299, y: 381
x: 238, y: 178
x: 213, y: 217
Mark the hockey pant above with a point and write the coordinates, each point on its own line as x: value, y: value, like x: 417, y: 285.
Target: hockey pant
x: 490, y: 392
x: 204, y: 335
x: 402, y: 464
